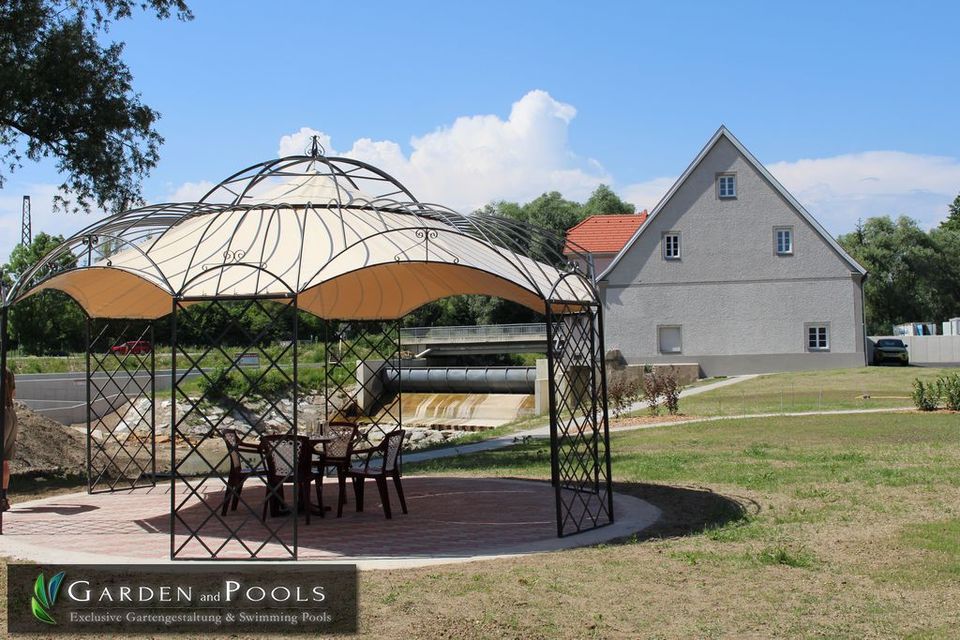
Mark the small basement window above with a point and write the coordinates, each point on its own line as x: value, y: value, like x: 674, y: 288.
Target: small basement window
x: 818, y: 337
x: 727, y: 186
x: 783, y: 240
x: 670, y: 338
x: 671, y: 245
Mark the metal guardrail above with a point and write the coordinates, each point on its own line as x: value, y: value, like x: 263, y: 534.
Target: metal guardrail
x: 475, y: 333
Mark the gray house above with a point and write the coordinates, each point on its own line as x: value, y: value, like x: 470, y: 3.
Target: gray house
x: 731, y: 272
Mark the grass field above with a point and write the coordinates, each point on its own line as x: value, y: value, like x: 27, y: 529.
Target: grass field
x: 860, y: 388
x: 788, y: 527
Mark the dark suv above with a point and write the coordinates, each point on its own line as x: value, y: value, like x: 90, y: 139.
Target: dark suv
x: 890, y: 350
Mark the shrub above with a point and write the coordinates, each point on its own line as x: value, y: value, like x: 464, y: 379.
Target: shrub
x: 670, y: 386
x: 621, y: 393
x: 949, y: 388
x: 662, y: 388
x: 652, y: 391
x: 926, y: 397
x: 221, y: 383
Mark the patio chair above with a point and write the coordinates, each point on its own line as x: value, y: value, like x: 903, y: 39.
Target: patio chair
x: 337, y: 454
x: 279, y: 452
x: 240, y: 468
x: 379, y: 468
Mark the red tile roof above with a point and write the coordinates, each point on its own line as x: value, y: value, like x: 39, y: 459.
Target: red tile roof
x: 604, y: 234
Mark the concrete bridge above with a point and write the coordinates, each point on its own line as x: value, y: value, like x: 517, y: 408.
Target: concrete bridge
x: 475, y: 340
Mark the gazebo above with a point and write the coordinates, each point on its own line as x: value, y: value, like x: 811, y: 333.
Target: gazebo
x: 310, y: 234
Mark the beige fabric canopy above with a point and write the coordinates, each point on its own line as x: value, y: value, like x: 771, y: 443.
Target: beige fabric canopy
x: 344, y: 254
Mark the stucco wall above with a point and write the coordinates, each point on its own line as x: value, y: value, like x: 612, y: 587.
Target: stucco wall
x: 732, y: 295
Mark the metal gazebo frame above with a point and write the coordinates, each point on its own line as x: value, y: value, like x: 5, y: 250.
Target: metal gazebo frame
x: 565, y: 286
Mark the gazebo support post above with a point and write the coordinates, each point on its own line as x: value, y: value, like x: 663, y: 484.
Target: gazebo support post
x: 606, y: 416
x: 3, y: 394
x: 115, y: 384
x: 200, y: 527
x: 86, y: 342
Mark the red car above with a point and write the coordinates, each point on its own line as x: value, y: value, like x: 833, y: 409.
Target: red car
x: 135, y: 347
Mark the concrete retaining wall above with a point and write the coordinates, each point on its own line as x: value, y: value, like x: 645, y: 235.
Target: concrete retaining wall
x: 925, y: 349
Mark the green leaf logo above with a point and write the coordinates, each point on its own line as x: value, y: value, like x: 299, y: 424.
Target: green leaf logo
x: 44, y: 597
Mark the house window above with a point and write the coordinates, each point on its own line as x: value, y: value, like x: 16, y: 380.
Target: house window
x: 670, y: 339
x: 818, y: 337
x: 727, y: 186
x: 783, y: 240
x: 671, y: 245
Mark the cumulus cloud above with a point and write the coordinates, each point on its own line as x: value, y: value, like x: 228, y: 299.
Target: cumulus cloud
x: 839, y: 190
x: 189, y: 191
x: 481, y: 158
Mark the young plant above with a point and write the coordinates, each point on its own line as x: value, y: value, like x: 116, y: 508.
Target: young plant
x: 926, y: 397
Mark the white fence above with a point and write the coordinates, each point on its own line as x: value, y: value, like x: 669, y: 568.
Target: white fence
x: 926, y: 349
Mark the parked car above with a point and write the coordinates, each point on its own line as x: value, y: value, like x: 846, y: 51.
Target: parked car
x: 890, y: 350
x: 134, y: 347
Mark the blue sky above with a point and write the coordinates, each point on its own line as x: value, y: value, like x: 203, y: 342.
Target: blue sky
x: 852, y: 105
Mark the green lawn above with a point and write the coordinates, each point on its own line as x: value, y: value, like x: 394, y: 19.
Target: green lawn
x: 843, y: 527
x: 860, y: 388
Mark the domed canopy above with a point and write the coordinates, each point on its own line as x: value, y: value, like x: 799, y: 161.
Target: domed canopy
x: 347, y: 240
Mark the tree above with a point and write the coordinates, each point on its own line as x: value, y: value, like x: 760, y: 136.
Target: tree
x: 48, y: 322
x: 952, y: 223
x: 604, y: 201
x: 904, y: 266
x: 65, y: 95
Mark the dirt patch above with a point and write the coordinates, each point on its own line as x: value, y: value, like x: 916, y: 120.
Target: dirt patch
x: 46, y: 446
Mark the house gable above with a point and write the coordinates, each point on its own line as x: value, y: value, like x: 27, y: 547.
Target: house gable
x: 728, y: 239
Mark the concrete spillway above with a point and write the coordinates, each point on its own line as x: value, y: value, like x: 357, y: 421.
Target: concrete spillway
x: 461, y: 379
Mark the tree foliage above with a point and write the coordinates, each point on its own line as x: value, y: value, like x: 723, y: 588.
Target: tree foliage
x: 64, y: 94
x: 603, y: 201
x: 952, y: 223
x: 48, y: 322
x: 912, y: 273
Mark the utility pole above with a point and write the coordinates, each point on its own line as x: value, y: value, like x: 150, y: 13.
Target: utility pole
x: 26, y: 235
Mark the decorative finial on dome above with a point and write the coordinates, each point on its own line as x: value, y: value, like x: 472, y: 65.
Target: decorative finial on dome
x: 316, y: 149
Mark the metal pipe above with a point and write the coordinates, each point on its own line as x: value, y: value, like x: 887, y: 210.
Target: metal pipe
x: 460, y: 379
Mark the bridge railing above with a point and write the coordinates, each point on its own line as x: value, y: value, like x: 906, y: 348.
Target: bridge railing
x: 475, y: 333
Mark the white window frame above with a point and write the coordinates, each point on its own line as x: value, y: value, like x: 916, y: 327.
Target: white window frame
x: 679, y: 245
x: 660, y: 328
x: 723, y: 177
x: 776, y: 241
x: 818, y: 326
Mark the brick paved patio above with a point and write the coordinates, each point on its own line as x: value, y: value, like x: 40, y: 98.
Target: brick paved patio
x: 450, y: 519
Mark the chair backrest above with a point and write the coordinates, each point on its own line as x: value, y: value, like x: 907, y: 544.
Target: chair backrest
x: 394, y: 444
x: 282, y: 452
x: 232, y: 439
x: 344, y: 434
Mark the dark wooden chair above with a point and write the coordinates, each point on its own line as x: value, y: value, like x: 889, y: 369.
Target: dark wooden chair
x: 240, y: 468
x: 337, y: 454
x: 379, y: 462
x: 280, y: 452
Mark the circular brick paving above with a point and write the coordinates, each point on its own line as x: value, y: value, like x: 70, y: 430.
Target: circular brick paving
x: 449, y: 519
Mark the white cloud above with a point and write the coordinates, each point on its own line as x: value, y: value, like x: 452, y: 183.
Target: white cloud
x: 646, y: 195
x: 299, y: 143
x: 482, y: 158
x: 189, y: 191
x: 839, y: 190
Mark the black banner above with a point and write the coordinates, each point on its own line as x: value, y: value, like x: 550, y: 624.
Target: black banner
x: 103, y: 599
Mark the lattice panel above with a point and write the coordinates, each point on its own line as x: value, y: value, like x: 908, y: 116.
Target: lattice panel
x: 361, y: 357
x: 244, y: 379
x: 121, y: 442
x: 579, y: 429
